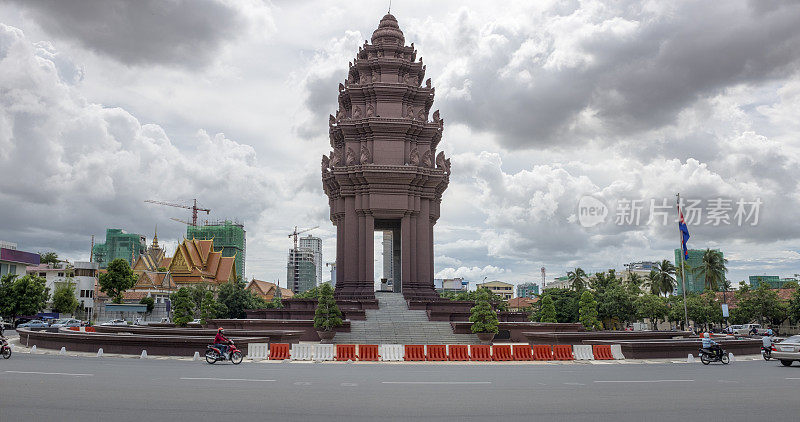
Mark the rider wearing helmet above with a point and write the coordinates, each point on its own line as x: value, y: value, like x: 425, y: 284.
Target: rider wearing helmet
x: 711, y: 345
x: 220, y: 341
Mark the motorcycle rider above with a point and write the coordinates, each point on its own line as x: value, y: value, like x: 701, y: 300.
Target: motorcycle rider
x: 221, y: 342
x: 711, y: 345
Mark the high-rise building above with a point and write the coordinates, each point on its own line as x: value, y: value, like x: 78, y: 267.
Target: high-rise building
x: 773, y: 281
x: 529, y: 290
x: 228, y: 235
x: 301, y: 272
x: 314, y: 244
x: 388, y: 257
x: 119, y: 244
x: 694, y: 282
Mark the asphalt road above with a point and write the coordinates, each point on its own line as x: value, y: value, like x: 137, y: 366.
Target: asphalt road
x: 63, y: 388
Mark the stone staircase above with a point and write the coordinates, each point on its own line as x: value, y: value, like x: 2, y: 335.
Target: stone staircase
x: 394, y: 323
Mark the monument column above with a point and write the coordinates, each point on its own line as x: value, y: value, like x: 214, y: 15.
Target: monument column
x: 405, y: 250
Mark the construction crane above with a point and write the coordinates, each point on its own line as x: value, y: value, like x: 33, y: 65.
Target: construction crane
x: 180, y: 221
x: 295, y: 233
x: 193, y: 207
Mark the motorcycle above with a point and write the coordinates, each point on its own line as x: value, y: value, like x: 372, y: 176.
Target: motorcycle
x: 708, y: 356
x: 5, y: 349
x: 766, y: 352
x: 213, y: 354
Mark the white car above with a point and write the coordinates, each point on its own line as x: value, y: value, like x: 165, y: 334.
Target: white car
x: 746, y: 328
x: 116, y: 322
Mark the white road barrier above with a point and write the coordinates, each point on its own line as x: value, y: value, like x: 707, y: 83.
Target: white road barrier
x: 100, y: 352
x: 583, y: 352
x: 257, y: 350
x: 302, y: 352
x: 323, y: 352
x: 63, y: 351
x: 731, y: 357
x: 196, y: 356
x: 616, y: 351
x: 143, y: 355
x: 690, y: 358
x: 391, y: 352
x: 33, y: 349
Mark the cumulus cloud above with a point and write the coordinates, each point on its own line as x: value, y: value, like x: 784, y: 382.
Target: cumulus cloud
x: 544, y: 74
x: 71, y: 168
x: 177, y: 32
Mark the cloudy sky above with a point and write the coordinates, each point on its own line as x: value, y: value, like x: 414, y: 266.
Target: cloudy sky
x: 106, y: 103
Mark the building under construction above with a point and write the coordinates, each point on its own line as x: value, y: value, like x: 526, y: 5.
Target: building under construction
x: 228, y: 235
x: 119, y: 244
x: 301, y: 270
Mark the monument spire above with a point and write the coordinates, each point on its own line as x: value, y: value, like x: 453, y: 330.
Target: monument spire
x: 381, y: 173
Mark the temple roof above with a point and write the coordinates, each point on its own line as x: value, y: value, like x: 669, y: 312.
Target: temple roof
x: 388, y: 31
x: 196, y: 261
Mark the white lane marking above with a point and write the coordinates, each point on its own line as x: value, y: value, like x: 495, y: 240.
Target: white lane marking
x: 786, y: 378
x: 224, y: 379
x: 49, y: 373
x: 573, y: 383
x: 437, y: 382
x: 348, y: 384
x: 302, y: 383
x: 642, y: 381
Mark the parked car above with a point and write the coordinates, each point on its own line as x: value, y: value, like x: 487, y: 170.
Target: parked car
x: 787, y: 351
x: 747, y: 328
x: 21, y: 320
x: 731, y: 329
x: 67, y: 322
x: 35, y: 323
x: 115, y: 322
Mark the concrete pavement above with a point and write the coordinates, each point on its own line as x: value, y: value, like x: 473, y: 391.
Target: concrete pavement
x: 67, y: 388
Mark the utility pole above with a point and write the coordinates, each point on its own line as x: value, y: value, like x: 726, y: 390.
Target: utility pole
x: 683, y: 265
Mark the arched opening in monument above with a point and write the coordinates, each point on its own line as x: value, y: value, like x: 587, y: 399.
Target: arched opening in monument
x: 387, y: 255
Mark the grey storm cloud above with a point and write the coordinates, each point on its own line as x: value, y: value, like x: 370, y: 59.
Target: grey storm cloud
x: 175, y: 32
x: 607, y: 72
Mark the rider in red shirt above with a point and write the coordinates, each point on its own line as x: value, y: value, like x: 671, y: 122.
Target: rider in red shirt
x: 220, y: 341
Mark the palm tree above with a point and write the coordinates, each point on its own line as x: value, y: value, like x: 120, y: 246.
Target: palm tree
x: 712, y: 269
x: 577, y: 279
x: 664, y: 277
x: 651, y: 282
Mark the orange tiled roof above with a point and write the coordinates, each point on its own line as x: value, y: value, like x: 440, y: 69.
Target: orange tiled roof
x: 196, y: 261
x: 266, y: 290
x: 784, y: 295
x: 521, y: 302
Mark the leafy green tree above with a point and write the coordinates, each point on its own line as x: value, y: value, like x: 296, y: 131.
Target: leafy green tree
x: 791, y: 285
x: 210, y: 308
x: 182, y: 307
x: 25, y: 295
x: 588, y: 312
x: 651, y: 307
x: 634, y: 283
x: 482, y: 316
x: 312, y: 293
x: 675, y: 313
x: 64, y: 301
x: 327, y: 316
x: 149, y: 301
x: 497, y: 301
x: 48, y: 258
x: 793, y: 307
x: 615, y: 305
x: 277, y: 301
x: 762, y: 304
x: 565, y: 302
x: 577, y: 279
x: 704, y: 309
x: 236, y: 299
x: 548, y: 310
x: 118, y: 278
x: 712, y: 269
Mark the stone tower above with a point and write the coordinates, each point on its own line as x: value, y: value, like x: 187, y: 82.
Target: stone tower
x: 383, y: 173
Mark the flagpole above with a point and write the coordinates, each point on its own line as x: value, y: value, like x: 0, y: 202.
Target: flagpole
x: 683, y: 266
